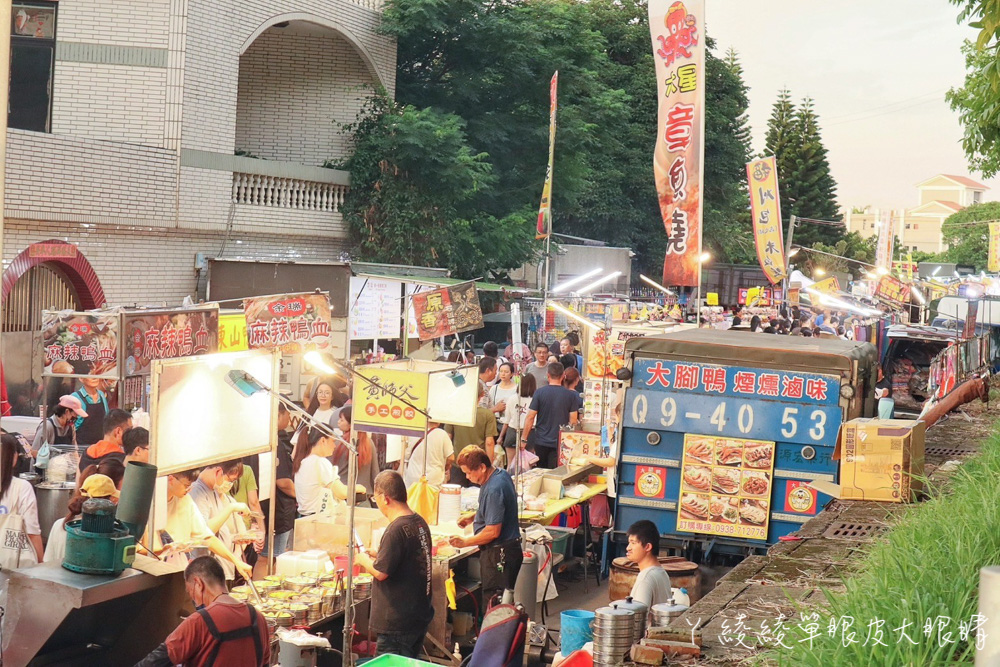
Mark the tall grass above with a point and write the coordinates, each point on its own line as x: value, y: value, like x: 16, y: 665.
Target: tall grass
x: 926, y: 568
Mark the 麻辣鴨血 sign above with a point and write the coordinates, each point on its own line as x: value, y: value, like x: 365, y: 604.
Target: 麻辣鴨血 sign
x: 168, y: 334
x: 292, y: 322
x: 80, y: 343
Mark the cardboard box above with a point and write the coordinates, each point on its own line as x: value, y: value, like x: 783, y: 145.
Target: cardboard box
x: 878, y: 460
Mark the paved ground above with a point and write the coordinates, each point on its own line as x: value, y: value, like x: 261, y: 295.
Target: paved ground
x: 761, y: 586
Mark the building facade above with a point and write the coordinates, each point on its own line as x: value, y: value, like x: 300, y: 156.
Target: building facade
x: 151, y: 136
x: 919, y: 228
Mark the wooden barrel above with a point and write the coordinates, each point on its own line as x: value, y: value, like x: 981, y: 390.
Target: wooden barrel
x: 683, y: 574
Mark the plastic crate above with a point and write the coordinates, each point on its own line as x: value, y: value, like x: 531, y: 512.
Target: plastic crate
x: 561, y: 539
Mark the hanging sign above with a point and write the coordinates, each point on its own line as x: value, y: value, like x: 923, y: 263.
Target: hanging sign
x: 829, y: 285
x: 448, y: 310
x: 80, y: 343
x: 375, y: 308
x: 378, y: 409
x: 292, y: 322
x: 886, y: 239
x: 168, y: 334
x: 233, y: 332
x: 892, y: 289
x: 765, y: 208
x: 678, y: 40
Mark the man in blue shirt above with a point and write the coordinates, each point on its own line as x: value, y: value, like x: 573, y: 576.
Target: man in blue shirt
x: 552, y: 407
x: 497, y: 533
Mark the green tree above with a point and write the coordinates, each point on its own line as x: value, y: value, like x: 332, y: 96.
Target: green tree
x: 412, y: 200
x: 812, y: 188
x: 967, y: 234
x: 851, y: 246
x: 978, y: 111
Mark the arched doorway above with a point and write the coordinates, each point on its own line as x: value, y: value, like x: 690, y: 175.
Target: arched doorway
x: 51, y: 275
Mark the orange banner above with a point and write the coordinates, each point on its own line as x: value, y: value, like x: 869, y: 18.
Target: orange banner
x: 544, y: 227
x: 827, y: 286
x: 677, y: 33
x: 766, y: 210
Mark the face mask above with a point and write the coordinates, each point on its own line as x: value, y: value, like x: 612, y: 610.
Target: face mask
x: 224, y: 487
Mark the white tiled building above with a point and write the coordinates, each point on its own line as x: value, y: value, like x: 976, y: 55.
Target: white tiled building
x: 150, y: 104
x: 130, y: 122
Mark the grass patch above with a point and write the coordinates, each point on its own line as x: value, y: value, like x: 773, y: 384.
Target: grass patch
x: 922, y: 579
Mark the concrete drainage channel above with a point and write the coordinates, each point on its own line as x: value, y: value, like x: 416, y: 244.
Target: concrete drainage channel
x: 755, y: 593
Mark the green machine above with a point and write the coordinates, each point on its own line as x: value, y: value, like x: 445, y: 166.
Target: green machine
x: 97, y: 543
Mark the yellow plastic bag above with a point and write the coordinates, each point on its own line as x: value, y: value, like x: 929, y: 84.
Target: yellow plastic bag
x: 423, y: 499
x: 449, y: 590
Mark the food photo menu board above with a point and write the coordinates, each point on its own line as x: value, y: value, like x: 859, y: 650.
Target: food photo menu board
x: 726, y: 486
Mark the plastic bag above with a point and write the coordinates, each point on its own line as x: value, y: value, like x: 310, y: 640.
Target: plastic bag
x: 526, y: 459
x: 42, y: 460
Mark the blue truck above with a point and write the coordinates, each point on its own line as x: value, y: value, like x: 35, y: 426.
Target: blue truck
x: 722, y: 431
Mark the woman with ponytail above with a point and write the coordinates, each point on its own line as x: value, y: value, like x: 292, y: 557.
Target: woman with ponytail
x: 367, y: 460
x: 314, y: 474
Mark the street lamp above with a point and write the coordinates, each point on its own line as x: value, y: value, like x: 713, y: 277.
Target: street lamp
x: 247, y: 385
x: 819, y: 271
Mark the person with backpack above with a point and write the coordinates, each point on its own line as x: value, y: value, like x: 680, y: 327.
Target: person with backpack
x: 222, y: 631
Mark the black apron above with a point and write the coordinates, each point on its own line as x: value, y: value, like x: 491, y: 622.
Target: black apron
x: 91, y: 431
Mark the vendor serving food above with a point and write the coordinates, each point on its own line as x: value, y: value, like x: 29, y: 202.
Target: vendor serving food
x: 317, y: 482
x: 186, y: 528
x: 496, y: 529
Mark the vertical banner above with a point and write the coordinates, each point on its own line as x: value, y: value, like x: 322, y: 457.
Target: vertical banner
x: 545, y: 208
x: 762, y: 176
x: 994, y: 258
x: 886, y: 238
x: 678, y: 161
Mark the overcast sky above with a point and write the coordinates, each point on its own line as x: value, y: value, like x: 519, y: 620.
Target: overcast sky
x: 877, y: 70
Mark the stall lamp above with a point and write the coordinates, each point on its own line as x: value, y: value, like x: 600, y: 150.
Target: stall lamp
x: 920, y: 297
x: 573, y: 316
x: 316, y: 360
x: 599, y: 281
x: 456, y: 378
x: 882, y: 271
x: 972, y: 294
x: 871, y: 275
x: 704, y: 257
x: 574, y: 281
x: 957, y: 275
x: 650, y: 281
x: 819, y: 271
x: 793, y: 252
x: 936, y: 270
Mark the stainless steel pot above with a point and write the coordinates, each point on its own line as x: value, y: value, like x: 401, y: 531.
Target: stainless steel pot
x: 52, y: 499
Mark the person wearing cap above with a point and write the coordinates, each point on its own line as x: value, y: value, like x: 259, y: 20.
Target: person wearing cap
x: 94, y: 486
x: 58, y: 429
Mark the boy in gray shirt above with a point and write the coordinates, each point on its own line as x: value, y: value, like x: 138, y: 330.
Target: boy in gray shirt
x: 652, y: 586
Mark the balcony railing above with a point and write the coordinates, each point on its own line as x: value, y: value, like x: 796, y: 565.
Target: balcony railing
x: 258, y: 190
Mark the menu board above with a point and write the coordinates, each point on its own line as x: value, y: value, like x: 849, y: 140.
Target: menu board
x: 593, y: 396
x: 575, y: 444
x: 376, y: 308
x: 726, y: 486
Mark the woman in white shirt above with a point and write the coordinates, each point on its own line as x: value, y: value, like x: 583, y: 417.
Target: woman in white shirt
x: 17, y: 496
x: 324, y: 403
x: 517, y: 409
x: 317, y: 482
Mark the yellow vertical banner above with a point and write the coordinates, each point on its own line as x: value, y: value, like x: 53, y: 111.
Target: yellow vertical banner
x: 765, y: 207
x: 544, y: 228
x: 994, y: 258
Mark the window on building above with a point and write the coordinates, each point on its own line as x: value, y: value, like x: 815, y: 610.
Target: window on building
x: 907, y: 225
x: 976, y: 197
x: 32, y: 60
x: 916, y: 225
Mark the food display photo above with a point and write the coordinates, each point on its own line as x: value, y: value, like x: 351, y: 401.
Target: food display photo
x: 726, y: 486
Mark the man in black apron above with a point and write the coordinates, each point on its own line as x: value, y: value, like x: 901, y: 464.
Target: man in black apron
x: 90, y: 429
x: 497, y: 533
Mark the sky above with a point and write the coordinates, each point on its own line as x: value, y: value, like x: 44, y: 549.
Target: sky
x: 877, y: 71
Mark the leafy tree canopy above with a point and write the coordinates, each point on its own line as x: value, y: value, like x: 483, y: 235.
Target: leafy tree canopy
x: 969, y: 243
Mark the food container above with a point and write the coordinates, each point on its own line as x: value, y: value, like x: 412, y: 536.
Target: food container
x: 362, y: 587
x: 266, y: 585
x: 239, y: 595
x: 299, y: 583
x: 614, y: 629
x: 283, y: 596
x: 640, y: 610
x: 275, y: 577
x: 315, y: 604
x: 299, y: 612
x: 281, y: 618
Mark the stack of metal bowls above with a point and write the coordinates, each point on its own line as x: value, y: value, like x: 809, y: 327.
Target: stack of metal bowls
x: 362, y: 587
x: 662, y: 614
x: 640, y: 609
x: 613, y: 633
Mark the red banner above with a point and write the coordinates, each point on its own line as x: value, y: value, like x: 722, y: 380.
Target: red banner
x: 677, y: 33
x: 447, y: 310
x: 293, y: 322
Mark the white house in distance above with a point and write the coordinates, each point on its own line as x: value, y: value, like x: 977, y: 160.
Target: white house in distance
x: 919, y: 228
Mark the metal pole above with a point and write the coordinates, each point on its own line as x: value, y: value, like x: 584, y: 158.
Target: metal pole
x: 791, y: 232
x: 545, y: 288
x: 7, y: 7
x: 352, y: 480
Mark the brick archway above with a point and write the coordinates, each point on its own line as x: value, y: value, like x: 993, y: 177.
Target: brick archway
x: 69, y: 260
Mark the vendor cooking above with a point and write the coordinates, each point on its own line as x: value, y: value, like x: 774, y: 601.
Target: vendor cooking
x: 496, y: 529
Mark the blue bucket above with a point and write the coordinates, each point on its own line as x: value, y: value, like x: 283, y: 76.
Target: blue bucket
x: 575, y: 630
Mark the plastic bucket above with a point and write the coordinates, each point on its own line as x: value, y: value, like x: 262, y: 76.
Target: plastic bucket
x: 575, y: 630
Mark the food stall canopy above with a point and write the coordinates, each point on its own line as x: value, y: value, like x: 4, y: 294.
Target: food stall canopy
x: 742, y: 349
x: 445, y: 282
